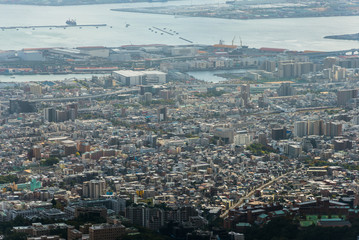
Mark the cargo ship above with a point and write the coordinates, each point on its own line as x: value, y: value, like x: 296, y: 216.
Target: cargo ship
x: 71, y: 22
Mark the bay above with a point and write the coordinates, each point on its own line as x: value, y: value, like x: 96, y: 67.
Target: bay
x: 292, y: 33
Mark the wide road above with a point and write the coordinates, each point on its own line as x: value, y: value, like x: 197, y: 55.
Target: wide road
x: 250, y: 194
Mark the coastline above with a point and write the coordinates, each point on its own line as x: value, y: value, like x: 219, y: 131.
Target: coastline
x: 145, y: 11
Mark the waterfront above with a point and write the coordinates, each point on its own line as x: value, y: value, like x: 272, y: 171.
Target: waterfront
x: 43, y: 78
x: 132, y: 28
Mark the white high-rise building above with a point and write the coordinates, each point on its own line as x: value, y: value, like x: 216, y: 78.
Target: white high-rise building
x: 300, y: 129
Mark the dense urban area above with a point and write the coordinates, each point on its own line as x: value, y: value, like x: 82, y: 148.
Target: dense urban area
x: 147, y: 151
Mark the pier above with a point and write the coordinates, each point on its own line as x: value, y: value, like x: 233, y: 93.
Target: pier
x: 163, y: 31
x: 53, y: 26
x: 185, y: 39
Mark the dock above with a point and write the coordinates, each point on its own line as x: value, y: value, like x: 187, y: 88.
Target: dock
x: 53, y: 26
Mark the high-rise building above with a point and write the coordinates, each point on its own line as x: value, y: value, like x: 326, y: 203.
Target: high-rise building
x: 286, y: 89
x: 36, y: 150
x: 162, y: 114
x: 286, y: 69
x: 333, y: 129
x: 262, y: 138
x: 301, y: 68
x: 290, y: 69
x: 35, y: 89
x: 147, y: 97
x: 268, y: 66
x: 83, y: 147
x: 344, y: 96
x: 245, y: 93
x: 94, y: 188
x: 50, y: 114
x: 300, y: 129
x: 152, y: 218
x: 315, y: 127
x: 72, y: 110
x: 165, y: 94
x: 339, y: 73
x: 279, y: 133
x: 61, y: 116
x: 70, y: 149
x: 110, y: 82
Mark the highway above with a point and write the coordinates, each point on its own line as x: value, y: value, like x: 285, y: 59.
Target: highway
x: 125, y: 91
x: 69, y: 99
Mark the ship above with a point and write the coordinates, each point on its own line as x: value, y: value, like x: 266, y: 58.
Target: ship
x: 71, y: 22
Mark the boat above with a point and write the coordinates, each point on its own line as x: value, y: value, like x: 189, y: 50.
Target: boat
x: 71, y: 22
